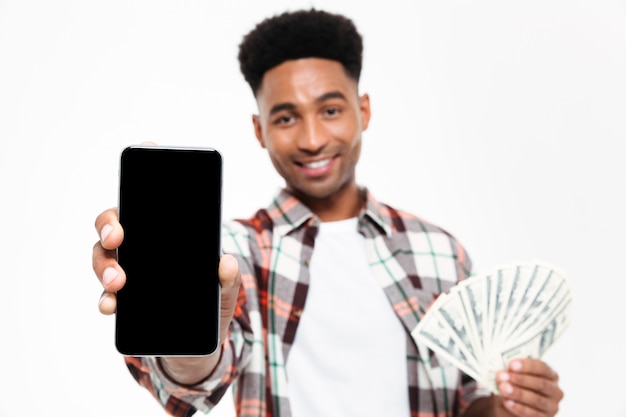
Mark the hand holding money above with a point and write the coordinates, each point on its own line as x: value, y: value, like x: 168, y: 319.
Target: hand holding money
x: 486, y: 323
x: 529, y: 388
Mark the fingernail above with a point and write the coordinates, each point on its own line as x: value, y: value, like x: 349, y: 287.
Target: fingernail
x: 516, y: 366
x: 102, y: 297
x: 105, y: 295
x: 109, y: 275
x: 105, y: 231
x: 503, y: 376
x: 507, y: 388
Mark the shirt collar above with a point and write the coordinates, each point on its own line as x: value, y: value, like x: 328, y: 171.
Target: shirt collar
x: 288, y: 213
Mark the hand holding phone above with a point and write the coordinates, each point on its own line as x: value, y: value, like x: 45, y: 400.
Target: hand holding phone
x: 170, y: 211
x: 187, y: 370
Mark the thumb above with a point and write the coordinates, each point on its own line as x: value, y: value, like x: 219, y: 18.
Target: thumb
x: 230, y: 280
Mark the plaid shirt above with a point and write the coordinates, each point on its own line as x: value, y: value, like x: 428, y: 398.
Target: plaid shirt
x: 413, y: 261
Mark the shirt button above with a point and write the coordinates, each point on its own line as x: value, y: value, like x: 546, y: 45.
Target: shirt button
x: 307, y: 262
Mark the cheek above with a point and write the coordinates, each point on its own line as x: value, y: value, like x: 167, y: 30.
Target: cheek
x: 278, y: 164
x: 278, y: 149
x: 275, y: 149
x: 356, y: 151
x: 347, y: 130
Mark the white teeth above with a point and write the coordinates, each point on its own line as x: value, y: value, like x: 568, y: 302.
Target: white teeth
x: 317, y: 164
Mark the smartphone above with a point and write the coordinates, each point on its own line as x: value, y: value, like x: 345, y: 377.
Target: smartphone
x: 170, y: 209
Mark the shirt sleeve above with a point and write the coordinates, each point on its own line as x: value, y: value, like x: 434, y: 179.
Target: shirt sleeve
x: 182, y: 400
x: 468, y: 392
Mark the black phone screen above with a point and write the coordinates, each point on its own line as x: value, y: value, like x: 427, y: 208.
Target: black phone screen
x: 170, y: 209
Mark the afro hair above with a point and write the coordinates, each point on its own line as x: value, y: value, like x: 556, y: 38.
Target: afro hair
x: 300, y: 34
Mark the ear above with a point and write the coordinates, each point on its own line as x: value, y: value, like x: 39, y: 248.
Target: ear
x: 365, y: 111
x: 258, y: 130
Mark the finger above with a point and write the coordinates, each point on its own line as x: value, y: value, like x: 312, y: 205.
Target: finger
x: 108, y: 303
x: 539, y: 384
x: 533, y: 405
x: 524, y: 410
x: 230, y: 280
x: 533, y: 375
x: 531, y: 393
x: 109, y: 229
x: 229, y: 272
x: 109, y: 272
x: 531, y: 390
x: 533, y: 367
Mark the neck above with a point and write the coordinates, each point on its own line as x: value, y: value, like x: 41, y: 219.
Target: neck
x: 345, y: 204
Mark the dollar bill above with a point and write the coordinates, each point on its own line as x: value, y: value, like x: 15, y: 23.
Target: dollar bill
x: 489, y: 319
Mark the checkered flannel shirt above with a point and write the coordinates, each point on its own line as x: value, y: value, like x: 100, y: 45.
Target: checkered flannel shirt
x: 413, y: 261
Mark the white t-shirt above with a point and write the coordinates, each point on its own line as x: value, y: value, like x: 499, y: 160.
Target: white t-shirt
x: 349, y: 354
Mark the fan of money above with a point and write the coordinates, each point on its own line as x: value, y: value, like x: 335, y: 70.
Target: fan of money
x: 488, y: 319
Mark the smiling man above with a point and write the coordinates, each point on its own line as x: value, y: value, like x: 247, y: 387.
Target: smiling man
x: 310, y: 121
x: 322, y: 288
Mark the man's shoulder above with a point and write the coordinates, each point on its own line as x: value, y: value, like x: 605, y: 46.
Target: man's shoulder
x: 402, y: 220
x: 247, y: 236
x: 436, y: 251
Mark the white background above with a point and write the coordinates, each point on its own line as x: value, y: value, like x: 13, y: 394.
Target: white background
x: 501, y: 121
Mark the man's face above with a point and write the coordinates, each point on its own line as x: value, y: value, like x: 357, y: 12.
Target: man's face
x: 310, y: 121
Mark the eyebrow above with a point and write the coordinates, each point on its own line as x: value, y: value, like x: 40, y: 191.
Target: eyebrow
x: 328, y: 96
x: 282, y: 106
x: 290, y: 106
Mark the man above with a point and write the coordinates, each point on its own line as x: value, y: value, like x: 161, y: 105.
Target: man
x: 322, y: 289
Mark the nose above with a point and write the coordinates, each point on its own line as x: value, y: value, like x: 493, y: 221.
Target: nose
x: 313, y: 137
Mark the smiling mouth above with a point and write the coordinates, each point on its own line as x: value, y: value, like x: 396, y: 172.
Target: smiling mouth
x: 317, y: 164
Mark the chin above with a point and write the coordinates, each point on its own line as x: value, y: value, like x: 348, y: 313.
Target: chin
x: 320, y: 192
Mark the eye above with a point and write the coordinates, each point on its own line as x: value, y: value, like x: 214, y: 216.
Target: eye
x: 283, y: 120
x: 332, y: 111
